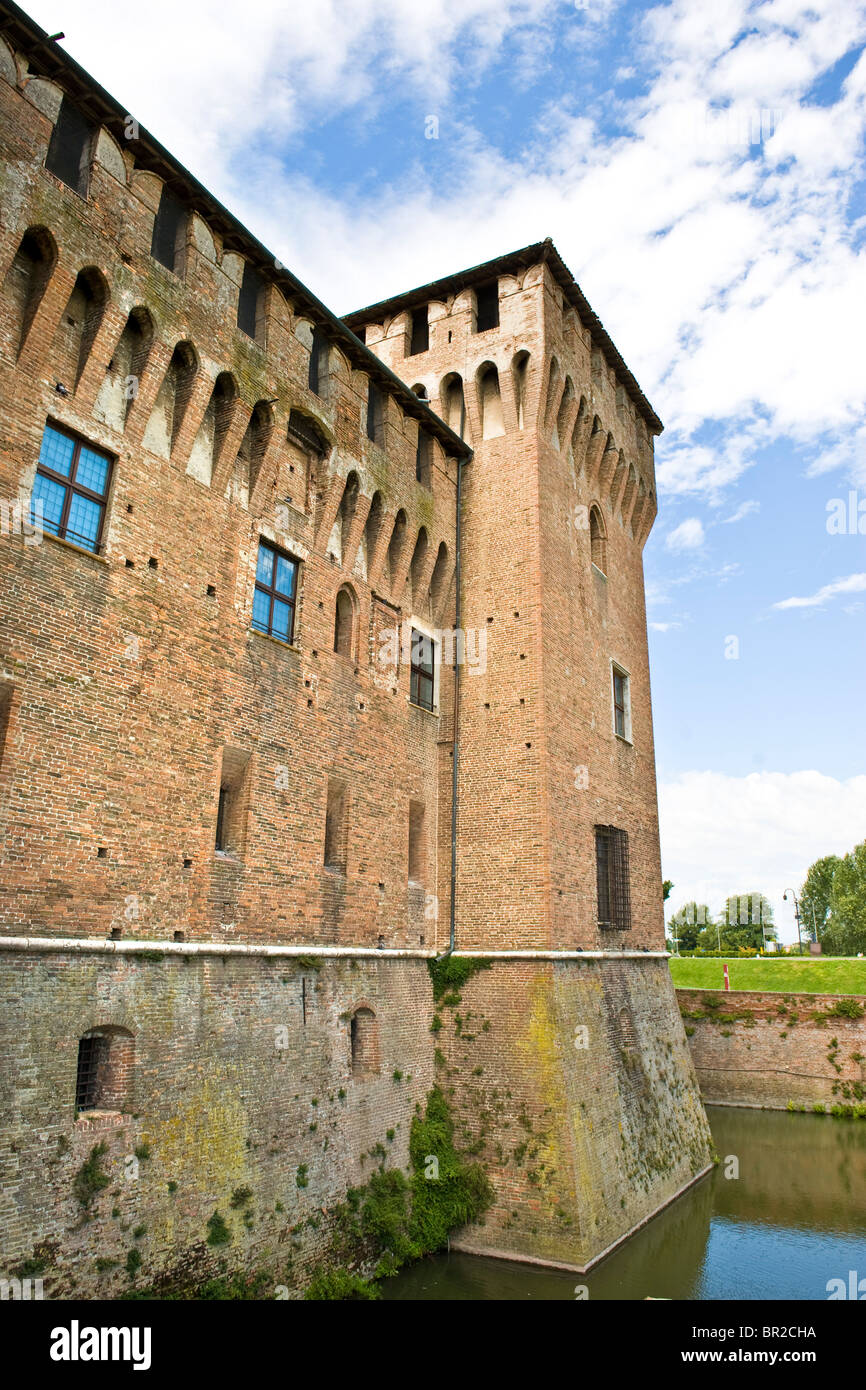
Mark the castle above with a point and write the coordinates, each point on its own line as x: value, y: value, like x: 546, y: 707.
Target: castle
x: 322, y: 655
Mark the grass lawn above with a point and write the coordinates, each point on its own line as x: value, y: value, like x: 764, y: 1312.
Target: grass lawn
x: 787, y: 974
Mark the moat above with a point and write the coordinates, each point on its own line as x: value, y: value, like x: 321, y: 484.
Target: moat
x: 793, y: 1219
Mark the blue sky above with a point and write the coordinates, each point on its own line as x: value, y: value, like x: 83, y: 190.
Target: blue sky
x: 701, y: 170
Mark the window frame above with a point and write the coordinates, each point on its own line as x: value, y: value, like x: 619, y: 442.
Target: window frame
x: 72, y: 488
x: 274, y: 594
x: 419, y: 673
x: 619, y: 673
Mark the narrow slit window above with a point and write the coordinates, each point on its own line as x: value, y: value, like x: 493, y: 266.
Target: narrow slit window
x: 275, y: 593
x: 70, y: 490
x: 621, y: 703
x: 69, y: 149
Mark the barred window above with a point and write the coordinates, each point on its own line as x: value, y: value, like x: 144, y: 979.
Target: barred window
x: 275, y: 593
x: 612, y: 872
x: 70, y: 490
x: 92, y: 1062
x: 422, y: 670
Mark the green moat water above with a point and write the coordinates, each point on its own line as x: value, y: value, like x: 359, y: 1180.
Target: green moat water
x: 793, y: 1219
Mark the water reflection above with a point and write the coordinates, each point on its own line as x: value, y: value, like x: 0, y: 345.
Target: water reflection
x: 794, y: 1218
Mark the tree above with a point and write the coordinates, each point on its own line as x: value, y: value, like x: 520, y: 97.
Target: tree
x: 845, y: 932
x: 686, y: 924
x: 747, y: 921
x: 815, y: 896
x: 666, y: 889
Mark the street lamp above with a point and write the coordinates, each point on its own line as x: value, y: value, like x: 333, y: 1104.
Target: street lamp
x: 796, y: 913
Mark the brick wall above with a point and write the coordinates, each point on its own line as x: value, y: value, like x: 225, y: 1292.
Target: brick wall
x: 778, y: 1048
x: 242, y: 1075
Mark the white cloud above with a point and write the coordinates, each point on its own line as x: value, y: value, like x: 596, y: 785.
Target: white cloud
x: 760, y: 833
x: 853, y: 584
x: 726, y: 274
x: 689, y: 535
x: 663, y: 627
x: 745, y: 509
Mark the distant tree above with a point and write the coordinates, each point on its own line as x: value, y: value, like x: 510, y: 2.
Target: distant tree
x: 687, y: 923
x: 747, y: 920
x: 666, y: 890
x: 845, y: 932
x: 815, y: 896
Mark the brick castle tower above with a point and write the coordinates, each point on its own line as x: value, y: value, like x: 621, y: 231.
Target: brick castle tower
x: 322, y: 653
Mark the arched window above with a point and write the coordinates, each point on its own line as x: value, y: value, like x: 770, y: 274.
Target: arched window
x: 344, y: 623
x: 254, y: 445
x: 490, y: 402
x: 597, y: 539
x: 104, y: 1075
x: 364, y: 1038
x: 420, y: 390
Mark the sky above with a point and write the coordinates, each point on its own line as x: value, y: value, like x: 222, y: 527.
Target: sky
x: 701, y: 171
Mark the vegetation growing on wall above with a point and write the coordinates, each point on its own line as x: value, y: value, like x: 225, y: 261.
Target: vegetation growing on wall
x: 395, y: 1218
x: 450, y: 974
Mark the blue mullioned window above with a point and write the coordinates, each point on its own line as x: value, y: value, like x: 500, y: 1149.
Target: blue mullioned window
x: 70, y: 491
x: 275, y: 593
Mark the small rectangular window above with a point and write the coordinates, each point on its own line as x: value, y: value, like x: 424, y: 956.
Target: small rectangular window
x: 422, y: 670
x: 232, y: 802
x: 487, y: 307
x: 275, y: 593
x: 621, y: 703
x: 168, y: 229
x: 420, y: 340
x: 612, y: 878
x: 336, y: 826
x: 70, y: 490
x: 249, y: 301
x: 69, y: 149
